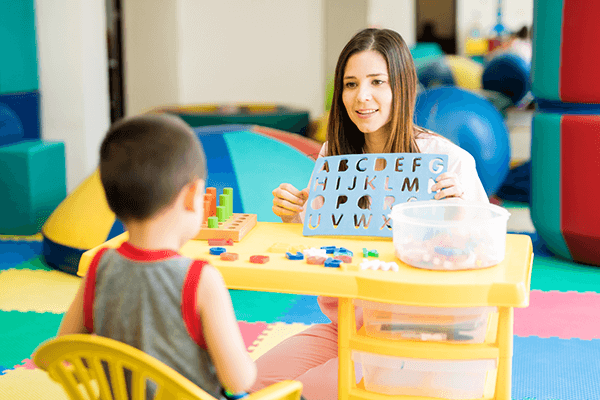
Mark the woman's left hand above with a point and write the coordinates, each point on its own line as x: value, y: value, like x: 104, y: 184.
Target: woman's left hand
x: 447, y: 185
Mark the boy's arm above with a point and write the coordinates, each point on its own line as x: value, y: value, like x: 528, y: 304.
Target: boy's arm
x: 72, y: 322
x: 235, y: 369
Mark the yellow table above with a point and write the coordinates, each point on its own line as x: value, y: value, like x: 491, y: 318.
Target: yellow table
x: 505, y: 286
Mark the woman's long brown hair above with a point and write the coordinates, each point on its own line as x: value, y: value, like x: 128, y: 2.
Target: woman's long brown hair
x: 342, y: 134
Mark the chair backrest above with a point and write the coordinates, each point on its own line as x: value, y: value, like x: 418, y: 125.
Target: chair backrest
x: 92, y: 367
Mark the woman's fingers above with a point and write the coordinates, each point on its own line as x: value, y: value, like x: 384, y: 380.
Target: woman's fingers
x: 287, y: 192
x: 447, y: 185
x: 287, y: 200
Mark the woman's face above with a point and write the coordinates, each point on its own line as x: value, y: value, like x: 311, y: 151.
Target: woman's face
x: 366, y: 93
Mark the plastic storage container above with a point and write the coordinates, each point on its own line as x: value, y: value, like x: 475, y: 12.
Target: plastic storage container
x: 439, y: 324
x: 449, y: 235
x: 448, y: 379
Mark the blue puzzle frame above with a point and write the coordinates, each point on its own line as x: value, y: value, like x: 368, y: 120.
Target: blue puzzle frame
x: 404, y: 177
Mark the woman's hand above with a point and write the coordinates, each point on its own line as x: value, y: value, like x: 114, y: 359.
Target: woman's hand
x: 288, y: 202
x: 447, y: 185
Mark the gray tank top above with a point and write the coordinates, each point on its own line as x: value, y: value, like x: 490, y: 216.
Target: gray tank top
x: 138, y: 299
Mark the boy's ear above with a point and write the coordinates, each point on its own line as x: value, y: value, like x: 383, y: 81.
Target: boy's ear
x: 190, y: 195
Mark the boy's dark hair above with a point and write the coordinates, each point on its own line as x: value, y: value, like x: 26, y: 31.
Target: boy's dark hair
x: 145, y: 161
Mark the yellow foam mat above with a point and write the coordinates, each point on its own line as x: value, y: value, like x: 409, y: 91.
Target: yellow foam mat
x: 32, y: 238
x: 272, y: 336
x: 29, y: 384
x: 34, y: 290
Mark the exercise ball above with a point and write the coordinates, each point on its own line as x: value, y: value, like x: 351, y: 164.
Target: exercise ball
x: 435, y: 72
x: 509, y: 75
x: 471, y: 122
x: 466, y: 72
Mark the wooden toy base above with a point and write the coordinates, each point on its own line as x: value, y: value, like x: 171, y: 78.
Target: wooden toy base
x: 235, y: 228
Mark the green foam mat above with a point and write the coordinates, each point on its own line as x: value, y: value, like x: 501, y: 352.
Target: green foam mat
x: 553, y: 273
x: 21, y: 333
x: 265, y: 307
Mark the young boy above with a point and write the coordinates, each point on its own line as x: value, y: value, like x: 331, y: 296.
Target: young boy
x: 144, y: 293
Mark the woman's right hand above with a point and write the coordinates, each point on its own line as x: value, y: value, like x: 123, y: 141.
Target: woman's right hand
x: 288, y: 202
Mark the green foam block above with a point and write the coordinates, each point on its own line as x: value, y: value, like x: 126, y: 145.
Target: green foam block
x: 32, y: 185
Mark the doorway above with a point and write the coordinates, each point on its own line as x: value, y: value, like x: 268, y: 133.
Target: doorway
x: 436, y: 23
x: 114, y: 38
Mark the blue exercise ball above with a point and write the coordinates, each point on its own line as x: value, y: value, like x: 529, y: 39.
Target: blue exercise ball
x: 509, y: 75
x: 435, y: 72
x: 471, y: 122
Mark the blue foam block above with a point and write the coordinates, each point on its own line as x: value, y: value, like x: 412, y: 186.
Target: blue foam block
x: 19, y: 117
x: 556, y: 369
x: 340, y: 182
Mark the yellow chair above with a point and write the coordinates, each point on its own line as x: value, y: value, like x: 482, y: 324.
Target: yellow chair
x: 65, y: 359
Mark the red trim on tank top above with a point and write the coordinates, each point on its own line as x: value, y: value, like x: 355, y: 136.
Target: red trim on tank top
x: 89, y: 292
x: 131, y: 252
x: 189, y: 294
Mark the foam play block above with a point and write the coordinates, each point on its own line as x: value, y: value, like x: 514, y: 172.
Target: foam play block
x: 18, y: 69
x: 19, y: 117
x: 32, y: 185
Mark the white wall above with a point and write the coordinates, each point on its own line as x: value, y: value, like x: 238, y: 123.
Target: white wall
x: 151, y: 54
x: 516, y: 13
x: 398, y: 15
x: 189, y: 51
x: 73, y: 72
x: 252, y: 51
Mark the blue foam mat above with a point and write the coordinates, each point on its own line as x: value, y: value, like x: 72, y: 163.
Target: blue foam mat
x: 556, y: 369
x: 14, y: 253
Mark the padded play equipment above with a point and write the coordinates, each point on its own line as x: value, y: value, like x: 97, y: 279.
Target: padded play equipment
x: 565, y: 42
x: 564, y: 193
x: 18, y: 69
x: 32, y: 184
x: 566, y: 139
x: 471, y: 122
x: 19, y: 117
x: 268, y: 115
x: 250, y: 159
x: 509, y: 75
x: 449, y: 71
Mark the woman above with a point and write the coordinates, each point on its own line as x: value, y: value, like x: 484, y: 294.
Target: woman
x: 372, y: 112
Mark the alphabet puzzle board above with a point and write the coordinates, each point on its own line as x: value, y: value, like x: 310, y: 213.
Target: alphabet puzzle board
x: 338, y: 183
